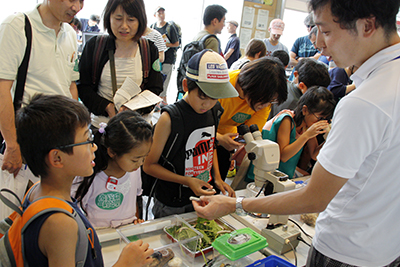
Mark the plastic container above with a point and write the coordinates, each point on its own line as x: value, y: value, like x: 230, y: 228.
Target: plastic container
x: 239, y: 243
x: 252, y: 190
x: 153, y: 232
x: 271, y: 261
x: 224, y: 225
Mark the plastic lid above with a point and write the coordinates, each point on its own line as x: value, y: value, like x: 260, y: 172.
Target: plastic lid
x: 239, y: 243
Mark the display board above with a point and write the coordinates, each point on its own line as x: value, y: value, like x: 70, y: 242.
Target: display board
x: 255, y: 20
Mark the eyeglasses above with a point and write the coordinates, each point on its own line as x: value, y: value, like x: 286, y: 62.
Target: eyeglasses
x: 321, y: 118
x: 89, y: 141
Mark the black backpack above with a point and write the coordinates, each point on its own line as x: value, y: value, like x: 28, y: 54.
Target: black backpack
x: 188, y: 51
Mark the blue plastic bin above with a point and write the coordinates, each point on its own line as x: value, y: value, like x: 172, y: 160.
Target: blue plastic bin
x: 271, y: 261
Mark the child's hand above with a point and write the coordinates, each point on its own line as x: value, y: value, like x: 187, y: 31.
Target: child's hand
x: 138, y: 221
x: 135, y: 254
x: 317, y: 128
x: 227, y: 142
x: 225, y: 188
x: 197, y: 187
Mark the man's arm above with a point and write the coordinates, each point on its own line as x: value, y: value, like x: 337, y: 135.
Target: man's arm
x: 74, y: 90
x: 172, y: 45
x: 12, y: 156
x: 293, y: 61
x: 315, y: 197
x: 229, y: 53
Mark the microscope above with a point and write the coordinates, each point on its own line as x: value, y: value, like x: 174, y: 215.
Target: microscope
x: 265, y: 156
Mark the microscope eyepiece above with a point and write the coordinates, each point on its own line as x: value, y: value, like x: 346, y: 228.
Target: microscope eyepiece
x: 243, y: 129
x: 254, y: 128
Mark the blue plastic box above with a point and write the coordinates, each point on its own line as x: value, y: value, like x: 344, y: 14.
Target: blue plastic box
x: 271, y: 261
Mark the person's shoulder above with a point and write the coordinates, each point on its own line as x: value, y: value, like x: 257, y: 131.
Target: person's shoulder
x: 16, y: 21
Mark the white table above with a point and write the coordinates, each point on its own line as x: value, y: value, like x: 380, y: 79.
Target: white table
x: 111, y: 244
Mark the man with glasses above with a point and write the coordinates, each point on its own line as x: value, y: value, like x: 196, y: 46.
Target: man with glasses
x: 354, y: 185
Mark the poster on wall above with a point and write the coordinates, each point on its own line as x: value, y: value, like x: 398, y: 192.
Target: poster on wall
x: 245, y: 36
x: 259, y: 35
x: 248, y: 17
x: 262, y: 20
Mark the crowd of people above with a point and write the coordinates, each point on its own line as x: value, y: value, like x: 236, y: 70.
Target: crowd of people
x: 75, y: 133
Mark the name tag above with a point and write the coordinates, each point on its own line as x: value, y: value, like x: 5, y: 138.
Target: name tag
x: 112, y: 184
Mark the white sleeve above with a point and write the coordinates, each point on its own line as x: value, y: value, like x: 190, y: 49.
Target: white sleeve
x: 12, y: 45
x: 358, y: 130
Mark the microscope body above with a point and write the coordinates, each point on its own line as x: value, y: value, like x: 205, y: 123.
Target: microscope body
x: 265, y: 155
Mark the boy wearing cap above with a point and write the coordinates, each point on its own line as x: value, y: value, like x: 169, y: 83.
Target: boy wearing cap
x: 232, y: 50
x: 193, y: 170
x: 276, y: 28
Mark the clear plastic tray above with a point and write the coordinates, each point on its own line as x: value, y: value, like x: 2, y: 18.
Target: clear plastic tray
x: 192, y: 222
x: 152, y: 232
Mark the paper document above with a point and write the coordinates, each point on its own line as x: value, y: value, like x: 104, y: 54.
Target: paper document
x: 142, y: 100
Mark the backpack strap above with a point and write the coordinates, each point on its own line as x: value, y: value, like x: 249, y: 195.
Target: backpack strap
x: 146, y: 59
x: 37, y: 208
x: 112, y: 71
x: 45, y: 205
x: 98, y: 48
x: 205, y: 37
x: 23, y: 68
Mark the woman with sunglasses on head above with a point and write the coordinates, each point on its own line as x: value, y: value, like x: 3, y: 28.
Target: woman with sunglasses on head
x: 311, y: 118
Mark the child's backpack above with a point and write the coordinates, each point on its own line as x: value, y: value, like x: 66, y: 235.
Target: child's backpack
x: 13, y: 227
x: 188, y: 51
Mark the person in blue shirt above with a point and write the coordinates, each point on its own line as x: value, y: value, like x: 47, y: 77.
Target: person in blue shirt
x: 232, y: 50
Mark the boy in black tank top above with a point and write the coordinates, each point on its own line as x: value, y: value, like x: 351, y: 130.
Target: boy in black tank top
x: 194, y: 164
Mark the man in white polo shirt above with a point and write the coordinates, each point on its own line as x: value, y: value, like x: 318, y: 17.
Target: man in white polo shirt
x: 354, y: 184
x: 52, y: 67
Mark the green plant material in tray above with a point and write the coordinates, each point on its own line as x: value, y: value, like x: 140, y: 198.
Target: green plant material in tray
x: 209, y: 228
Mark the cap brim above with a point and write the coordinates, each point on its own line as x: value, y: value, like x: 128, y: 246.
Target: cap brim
x: 218, y: 90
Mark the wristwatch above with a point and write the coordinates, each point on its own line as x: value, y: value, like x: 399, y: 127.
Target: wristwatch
x: 239, y: 207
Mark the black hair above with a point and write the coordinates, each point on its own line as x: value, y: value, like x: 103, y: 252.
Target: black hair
x: 311, y: 72
x: 262, y: 80
x: 318, y: 99
x: 77, y: 22
x: 192, y: 85
x: 314, y: 31
x: 213, y: 11
x: 282, y: 55
x: 255, y: 46
x: 48, y: 122
x: 346, y: 12
x: 134, y: 8
x: 95, y: 17
x: 124, y: 132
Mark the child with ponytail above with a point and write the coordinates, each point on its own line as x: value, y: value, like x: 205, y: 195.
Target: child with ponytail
x: 109, y: 195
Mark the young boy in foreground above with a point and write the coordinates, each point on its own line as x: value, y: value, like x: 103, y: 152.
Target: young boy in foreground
x: 57, y: 144
x: 194, y: 165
